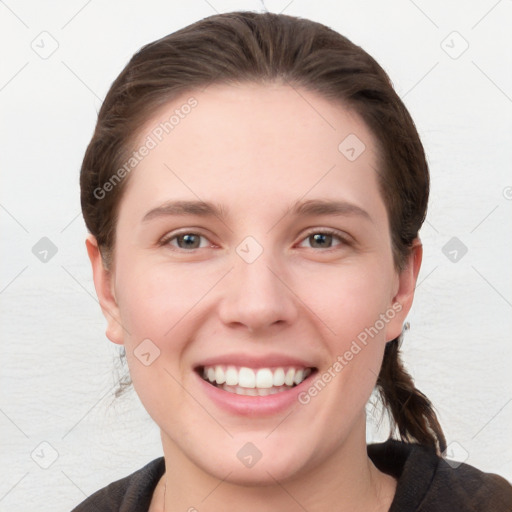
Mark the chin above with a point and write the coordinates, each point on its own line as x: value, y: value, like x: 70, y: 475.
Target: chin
x: 256, y: 463
x: 262, y: 474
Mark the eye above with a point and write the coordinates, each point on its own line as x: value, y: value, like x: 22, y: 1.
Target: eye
x: 186, y: 241
x: 323, y: 239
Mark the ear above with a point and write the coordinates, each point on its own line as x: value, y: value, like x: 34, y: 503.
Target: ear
x: 103, y: 282
x: 404, y: 295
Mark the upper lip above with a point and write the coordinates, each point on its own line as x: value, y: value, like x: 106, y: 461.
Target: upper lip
x: 253, y: 361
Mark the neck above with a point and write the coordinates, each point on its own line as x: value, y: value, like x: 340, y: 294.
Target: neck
x: 346, y: 481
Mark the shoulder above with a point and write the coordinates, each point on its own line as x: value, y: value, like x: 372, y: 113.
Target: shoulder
x: 132, y: 493
x: 428, y: 483
x: 468, y: 488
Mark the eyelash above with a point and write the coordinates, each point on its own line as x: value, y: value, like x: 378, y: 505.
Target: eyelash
x: 324, y: 231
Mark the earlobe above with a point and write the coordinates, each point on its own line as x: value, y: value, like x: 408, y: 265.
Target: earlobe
x: 105, y: 291
x: 402, y: 301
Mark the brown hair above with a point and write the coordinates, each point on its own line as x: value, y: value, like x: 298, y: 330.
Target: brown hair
x: 240, y: 47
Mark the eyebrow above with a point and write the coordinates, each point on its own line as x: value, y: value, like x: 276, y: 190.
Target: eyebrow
x: 327, y: 207
x: 299, y: 208
x: 181, y: 208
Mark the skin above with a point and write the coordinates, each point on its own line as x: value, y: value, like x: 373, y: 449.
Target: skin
x: 256, y: 150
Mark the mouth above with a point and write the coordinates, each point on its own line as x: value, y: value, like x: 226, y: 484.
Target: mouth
x: 241, y: 380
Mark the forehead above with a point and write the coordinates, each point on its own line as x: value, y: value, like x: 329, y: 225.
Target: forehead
x: 245, y: 144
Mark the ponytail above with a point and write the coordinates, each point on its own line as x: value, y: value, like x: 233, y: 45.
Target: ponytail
x: 411, y: 411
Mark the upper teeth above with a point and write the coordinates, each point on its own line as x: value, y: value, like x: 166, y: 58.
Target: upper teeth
x: 250, y: 378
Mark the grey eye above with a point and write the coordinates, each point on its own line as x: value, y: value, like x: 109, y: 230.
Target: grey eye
x: 188, y: 241
x: 321, y: 239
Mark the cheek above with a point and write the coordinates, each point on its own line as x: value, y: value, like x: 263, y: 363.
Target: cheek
x: 156, y: 305
x: 154, y: 299
x: 354, y: 311
x: 349, y: 299
x: 161, y: 307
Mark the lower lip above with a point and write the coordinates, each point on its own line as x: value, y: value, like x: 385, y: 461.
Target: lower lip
x: 244, y: 405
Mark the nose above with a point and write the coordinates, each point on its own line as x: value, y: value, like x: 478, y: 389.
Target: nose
x: 257, y: 297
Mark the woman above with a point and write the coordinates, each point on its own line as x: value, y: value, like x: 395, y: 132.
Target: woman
x: 254, y: 191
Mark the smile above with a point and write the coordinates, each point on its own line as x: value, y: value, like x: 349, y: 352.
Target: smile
x: 254, y: 382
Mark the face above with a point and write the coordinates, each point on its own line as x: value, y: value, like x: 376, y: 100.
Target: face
x: 253, y: 283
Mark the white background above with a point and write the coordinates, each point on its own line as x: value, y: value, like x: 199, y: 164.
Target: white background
x: 57, y: 371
